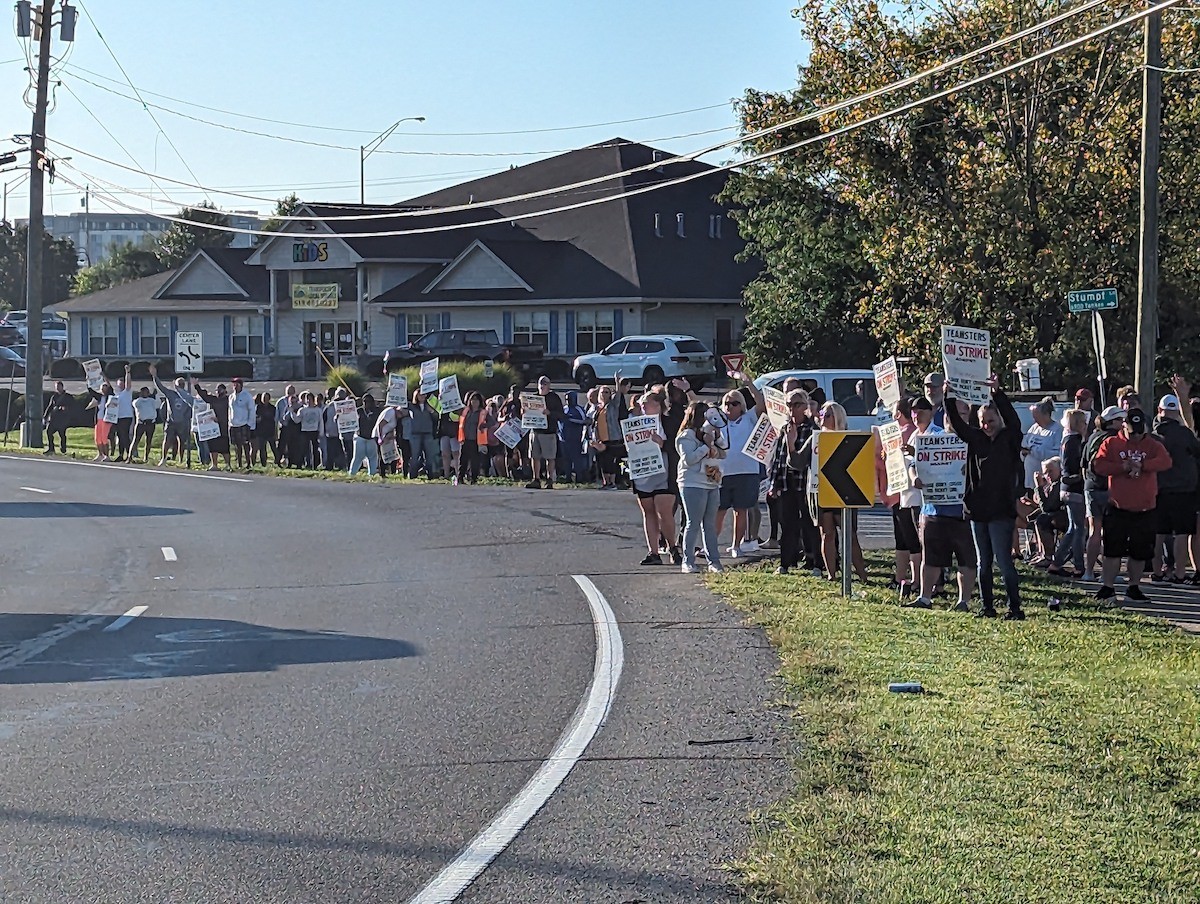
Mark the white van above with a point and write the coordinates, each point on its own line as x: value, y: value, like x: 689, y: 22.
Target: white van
x: 854, y: 390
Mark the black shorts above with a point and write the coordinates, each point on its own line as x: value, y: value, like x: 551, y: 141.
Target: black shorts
x: 946, y: 539
x: 905, y: 529
x: 239, y: 436
x: 1175, y: 513
x: 650, y: 494
x: 1129, y: 533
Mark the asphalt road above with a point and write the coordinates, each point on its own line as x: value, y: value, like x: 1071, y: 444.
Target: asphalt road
x: 332, y: 688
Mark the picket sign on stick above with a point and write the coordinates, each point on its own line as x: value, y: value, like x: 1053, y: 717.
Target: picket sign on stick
x: 760, y: 445
x: 887, y: 381
x: 941, y: 466
x: 397, y: 391
x: 644, y: 456
x: 533, y: 408
x: 510, y: 433
x: 967, y: 360
x: 429, y: 376
x: 891, y: 439
x: 777, y: 409
x: 449, y: 395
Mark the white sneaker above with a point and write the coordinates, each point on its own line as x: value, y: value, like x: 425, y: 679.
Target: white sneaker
x: 734, y: 552
x: 685, y: 568
x: 716, y: 569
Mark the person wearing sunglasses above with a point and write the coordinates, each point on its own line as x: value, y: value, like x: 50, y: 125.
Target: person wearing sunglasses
x: 788, y: 476
x: 739, y: 485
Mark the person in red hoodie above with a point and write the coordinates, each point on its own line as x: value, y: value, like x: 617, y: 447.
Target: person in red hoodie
x: 1131, y: 460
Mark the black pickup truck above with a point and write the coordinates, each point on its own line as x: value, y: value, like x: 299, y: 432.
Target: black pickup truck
x: 464, y: 345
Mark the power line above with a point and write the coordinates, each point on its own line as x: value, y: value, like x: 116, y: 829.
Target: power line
x: 694, y: 155
x: 129, y: 81
x: 757, y: 158
x: 422, y: 133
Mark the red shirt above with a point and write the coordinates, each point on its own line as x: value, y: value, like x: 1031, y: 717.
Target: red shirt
x: 1132, y: 494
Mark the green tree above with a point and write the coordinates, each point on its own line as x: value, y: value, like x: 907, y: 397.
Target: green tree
x: 983, y: 208
x: 124, y: 263
x: 177, y: 243
x: 59, y: 264
x: 284, y: 208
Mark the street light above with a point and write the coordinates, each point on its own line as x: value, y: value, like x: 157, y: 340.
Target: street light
x: 370, y: 148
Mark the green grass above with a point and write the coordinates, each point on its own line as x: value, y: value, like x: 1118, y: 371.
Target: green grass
x: 1052, y: 761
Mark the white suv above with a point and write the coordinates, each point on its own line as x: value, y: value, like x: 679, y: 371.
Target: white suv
x: 647, y: 359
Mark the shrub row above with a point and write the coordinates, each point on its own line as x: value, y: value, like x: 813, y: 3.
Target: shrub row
x: 470, y: 378
x: 114, y: 368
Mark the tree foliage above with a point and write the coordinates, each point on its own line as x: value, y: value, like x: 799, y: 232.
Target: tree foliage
x: 124, y: 263
x: 284, y: 208
x: 59, y: 263
x: 177, y: 243
x: 983, y: 208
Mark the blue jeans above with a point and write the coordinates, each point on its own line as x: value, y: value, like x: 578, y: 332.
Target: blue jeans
x: 366, y: 451
x: 701, y: 507
x: 993, y: 542
x: 1071, y: 543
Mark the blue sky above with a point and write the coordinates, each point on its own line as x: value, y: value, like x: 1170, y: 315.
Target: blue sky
x: 359, y: 65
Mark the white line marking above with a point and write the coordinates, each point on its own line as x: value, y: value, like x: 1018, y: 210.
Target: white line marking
x: 34, y: 490
x: 161, y: 472
x: 454, y: 879
x: 126, y: 618
x: 169, y: 554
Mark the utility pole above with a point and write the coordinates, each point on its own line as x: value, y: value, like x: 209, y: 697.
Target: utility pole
x: 1147, y: 310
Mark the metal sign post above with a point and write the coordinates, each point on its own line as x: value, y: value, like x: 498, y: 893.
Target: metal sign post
x: 847, y: 550
x: 846, y: 480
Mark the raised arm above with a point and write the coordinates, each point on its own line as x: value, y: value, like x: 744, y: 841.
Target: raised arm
x: 1183, y: 391
x: 747, y: 378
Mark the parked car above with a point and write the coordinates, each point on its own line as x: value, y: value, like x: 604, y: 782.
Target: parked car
x: 10, y: 334
x: 647, y: 359
x: 11, y: 364
x: 464, y: 345
x: 52, y: 328
x: 14, y: 318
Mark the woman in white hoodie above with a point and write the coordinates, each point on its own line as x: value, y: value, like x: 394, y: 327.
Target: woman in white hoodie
x: 700, y: 457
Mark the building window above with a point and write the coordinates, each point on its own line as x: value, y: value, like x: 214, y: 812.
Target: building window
x: 103, y: 335
x: 247, y: 334
x: 714, y: 226
x: 593, y: 331
x: 420, y: 324
x: 154, y: 337
x: 531, y: 327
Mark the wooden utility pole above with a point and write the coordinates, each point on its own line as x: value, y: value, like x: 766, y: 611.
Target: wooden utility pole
x: 1147, y: 323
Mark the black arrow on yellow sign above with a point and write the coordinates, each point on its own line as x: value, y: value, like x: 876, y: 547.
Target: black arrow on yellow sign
x: 836, y: 469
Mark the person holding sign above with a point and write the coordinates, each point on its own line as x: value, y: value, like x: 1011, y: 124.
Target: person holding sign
x: 425, y: 445
x: 543, y: 441
x: 473, y: 427
x: 788, y: 479
x: 105, y: 403
x: 739, y: 485
x: 994, y: 481
x: 700, y: 458
x: 653, y: 491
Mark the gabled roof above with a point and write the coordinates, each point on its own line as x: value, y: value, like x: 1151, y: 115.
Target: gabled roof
x: 254, y: 281
x: 474, y: 252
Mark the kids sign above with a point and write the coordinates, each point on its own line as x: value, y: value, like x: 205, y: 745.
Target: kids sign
x: 967, y: 360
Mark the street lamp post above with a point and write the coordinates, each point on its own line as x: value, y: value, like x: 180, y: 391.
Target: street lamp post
x: 366, y: 150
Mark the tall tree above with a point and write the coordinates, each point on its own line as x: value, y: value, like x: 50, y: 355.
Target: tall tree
x: 983, y: 208
x: 182, y: 239
x: 124, y: 263
x: 59, y: 264
x: 284, y: 208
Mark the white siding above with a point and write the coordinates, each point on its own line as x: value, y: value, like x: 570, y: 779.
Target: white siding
x: 381, y: 277
x: 480, y: 270
x: 692, y: 319
x: 280, y: 255
x: 203, y: 278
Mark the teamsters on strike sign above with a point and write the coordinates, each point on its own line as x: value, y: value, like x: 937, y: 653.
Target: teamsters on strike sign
x: 968, y: 489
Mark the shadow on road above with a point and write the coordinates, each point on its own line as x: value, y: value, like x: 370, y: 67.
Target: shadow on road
x: 83, y: 510
x: 151, y: 647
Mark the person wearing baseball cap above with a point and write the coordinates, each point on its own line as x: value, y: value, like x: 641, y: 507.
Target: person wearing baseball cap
x: 935, y: 392
x: 1176, y: 504
x: 1095, y: 486
x: 1132, y: 460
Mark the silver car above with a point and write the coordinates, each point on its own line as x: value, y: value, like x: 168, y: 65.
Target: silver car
x: 647, y: 359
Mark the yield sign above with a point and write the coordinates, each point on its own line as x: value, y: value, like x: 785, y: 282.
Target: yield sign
x: 733, y: 363
x: 846, y: 469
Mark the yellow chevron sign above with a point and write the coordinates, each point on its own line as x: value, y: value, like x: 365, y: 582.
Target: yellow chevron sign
x: 846, y: 469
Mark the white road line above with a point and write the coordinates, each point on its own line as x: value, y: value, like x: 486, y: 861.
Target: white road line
x: 161, y: 472
x: 34, y: 490
x: 454, y: 879
x: 169, y: 554
x: 126, y: 618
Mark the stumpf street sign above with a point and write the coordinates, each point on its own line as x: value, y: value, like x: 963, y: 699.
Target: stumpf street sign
x: 1091, y: 300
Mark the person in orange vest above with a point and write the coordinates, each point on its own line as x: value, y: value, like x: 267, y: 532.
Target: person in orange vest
x: 474, y: 426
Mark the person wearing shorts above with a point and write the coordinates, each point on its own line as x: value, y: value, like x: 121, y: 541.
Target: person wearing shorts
x: 655, y: 497
x: 1132, y: 461
x: 543, y: 441
x: 739, y: 485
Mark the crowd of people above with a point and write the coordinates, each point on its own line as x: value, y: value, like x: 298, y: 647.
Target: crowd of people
x: 1077, y: 495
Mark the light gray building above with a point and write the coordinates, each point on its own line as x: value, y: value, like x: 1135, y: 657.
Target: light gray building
x: 95, y: 234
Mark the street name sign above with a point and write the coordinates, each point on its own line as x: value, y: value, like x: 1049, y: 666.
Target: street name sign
x: 1091, y: 300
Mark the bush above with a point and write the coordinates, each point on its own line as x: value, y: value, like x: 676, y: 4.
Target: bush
x: 345, y: 375
x: 229, y: 367
x: 470, y: 377
x: 12, y: 409
x: 373, y: 368
x: 66, y: 369
x: 114, y: 370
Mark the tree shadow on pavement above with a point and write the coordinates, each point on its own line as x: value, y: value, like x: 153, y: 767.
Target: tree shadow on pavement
x: 45, y: 648
x: 83, y: 510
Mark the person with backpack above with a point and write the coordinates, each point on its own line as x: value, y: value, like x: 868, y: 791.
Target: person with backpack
x: 1095, y: 486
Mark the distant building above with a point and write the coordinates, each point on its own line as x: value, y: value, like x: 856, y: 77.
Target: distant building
x: 95, y: 234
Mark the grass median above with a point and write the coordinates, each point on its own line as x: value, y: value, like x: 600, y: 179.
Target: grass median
x: 1053, y: 760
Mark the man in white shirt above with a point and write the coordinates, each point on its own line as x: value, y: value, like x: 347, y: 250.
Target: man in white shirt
x: 739, y: 483
x: 1042, y: 441
x: 242, y: 419
x: 119, y: 437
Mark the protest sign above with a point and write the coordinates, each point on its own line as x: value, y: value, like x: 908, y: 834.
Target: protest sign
x: 967, y: 360
x: 347, y: 415
x: 760, y: 445
x: 644, y: 455
x: 94, y: 372
x: 429, y: 376
x: 887, y: 381
x: 510, y: 433
x: 448, y: 393
x: 111, y: 407
x: 204, y: 422
x: 891, y: 438
x: 533, y: 407
x: 397, y: 391
x: 777, y: 409
x: 941, y: 465
x: 389, y: 451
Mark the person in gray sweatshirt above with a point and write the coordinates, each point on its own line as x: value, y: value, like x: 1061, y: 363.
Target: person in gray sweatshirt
x: 177, y: 432
x: 425, y: 446
x: 700, y: 460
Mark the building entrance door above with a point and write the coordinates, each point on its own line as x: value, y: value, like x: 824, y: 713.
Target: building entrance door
x: 327, y: 343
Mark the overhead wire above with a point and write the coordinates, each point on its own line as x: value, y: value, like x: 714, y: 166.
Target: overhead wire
x: 695, y: 155
x: 756, y: 158
x: 129, y: 81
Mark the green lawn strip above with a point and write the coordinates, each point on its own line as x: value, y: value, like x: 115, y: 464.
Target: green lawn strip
x: 1055, y: 760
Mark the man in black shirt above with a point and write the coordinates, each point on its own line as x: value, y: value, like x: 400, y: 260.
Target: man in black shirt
x: 543, y: 441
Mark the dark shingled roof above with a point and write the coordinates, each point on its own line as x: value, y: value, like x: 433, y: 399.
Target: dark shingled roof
x: 256, y: 281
